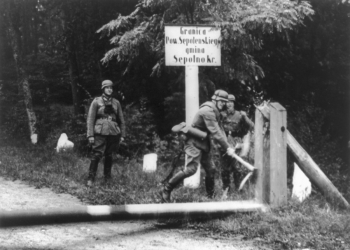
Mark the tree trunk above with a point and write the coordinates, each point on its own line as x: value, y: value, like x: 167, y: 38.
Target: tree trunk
x: 32, y: 121
x: 68, y: 26
x: 74, y: 75
x: 16, y: 44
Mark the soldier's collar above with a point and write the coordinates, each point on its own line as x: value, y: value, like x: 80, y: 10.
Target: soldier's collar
x: 106, y: 98
x: 231, y: 111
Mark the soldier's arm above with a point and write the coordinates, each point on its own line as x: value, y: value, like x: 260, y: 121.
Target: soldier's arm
x: 91, y: 118
x: 247, y: 121
x: 121, y: 119
x: 215, y: 130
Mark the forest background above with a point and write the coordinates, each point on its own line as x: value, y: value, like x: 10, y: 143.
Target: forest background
x: 54, y: 55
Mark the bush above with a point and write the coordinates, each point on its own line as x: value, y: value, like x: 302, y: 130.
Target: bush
x: 307, y: 125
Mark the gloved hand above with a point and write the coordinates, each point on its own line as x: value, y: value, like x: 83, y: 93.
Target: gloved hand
x: 230, y: 152
x: 122, y: 141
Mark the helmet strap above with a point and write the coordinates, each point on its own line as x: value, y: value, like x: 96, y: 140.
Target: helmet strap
x: 224, y: 108
x: 216, y: 104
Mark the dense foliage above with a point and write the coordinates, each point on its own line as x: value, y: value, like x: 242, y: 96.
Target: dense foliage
x: 138, y: 39
x: 292, y: 52
x: 295, y: 52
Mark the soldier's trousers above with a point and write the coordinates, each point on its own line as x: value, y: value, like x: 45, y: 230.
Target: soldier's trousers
x: 228, y: 167
x: 104, y: 145
x: 195, y: 157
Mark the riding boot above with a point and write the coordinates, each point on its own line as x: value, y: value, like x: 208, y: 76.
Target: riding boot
x: 92, y: 171
x: 237, y: 178
x: 225, y: 177
x: 209, y: 186
x: 165, y: 192
x: 108, y: 168
x: 226, y: 172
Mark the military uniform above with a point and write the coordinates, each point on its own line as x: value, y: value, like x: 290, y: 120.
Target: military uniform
x: 105, y: 122
x: 236, y: 124
x: 207, y: 119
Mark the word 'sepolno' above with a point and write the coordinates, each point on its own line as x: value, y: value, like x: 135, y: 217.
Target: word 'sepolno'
x: 184, y: 60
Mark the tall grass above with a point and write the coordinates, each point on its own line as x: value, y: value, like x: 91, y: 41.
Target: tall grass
x: 42, y: 166
x: 309, y: 225
x: 313, y: 224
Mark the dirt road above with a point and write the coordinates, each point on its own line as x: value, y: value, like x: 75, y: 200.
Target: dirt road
x: 101, y: 235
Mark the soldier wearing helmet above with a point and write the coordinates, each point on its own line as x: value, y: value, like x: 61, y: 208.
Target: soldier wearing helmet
x: 197, y: 149
x: 105, y: 130
x: 236, y: 126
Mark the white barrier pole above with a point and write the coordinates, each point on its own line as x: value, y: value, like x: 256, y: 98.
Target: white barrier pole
x: 125, y: 212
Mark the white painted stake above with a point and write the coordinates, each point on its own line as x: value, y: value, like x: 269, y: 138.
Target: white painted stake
x: 192, y: 93
x: 192, y: 106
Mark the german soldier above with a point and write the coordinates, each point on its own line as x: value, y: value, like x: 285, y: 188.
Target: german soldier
x: 236, y: 125
x: 105, y: 130
x: 197, y: 147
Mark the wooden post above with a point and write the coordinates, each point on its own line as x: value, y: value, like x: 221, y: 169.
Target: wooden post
x: 277, y: 179
x: 192, y: 93
x: 278, y: 155
x: 258, y: 156
x: 271, y: 155
x: 315, y: 174
x: 192, y: 106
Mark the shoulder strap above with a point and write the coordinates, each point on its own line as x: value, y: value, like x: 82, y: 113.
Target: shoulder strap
x: 97, y: 98
x: 212, y: 106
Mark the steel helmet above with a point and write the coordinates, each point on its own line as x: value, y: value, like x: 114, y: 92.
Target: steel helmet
x: 231, y: 98
x: 107, y: 83
x: 220, y: 95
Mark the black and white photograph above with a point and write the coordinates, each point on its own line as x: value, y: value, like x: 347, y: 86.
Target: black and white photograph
x: 174, y: 124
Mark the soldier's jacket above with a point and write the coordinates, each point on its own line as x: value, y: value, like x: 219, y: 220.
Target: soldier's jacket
x: 208, y: 119
x: 236, y: 123
x: 105, y: 123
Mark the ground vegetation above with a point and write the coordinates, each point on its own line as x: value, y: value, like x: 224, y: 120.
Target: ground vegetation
x: 54, y: 54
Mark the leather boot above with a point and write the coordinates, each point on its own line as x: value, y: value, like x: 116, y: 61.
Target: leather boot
x: 92, y: 172
x: 225, y: 177
x: 226, y: 172
x: 237, y: 178
x: 108, y: 168
x: 209, y: 186
x: 165, y: 192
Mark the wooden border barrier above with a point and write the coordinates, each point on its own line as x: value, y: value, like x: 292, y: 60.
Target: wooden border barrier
x: 126, y: 212
x: 271, y: 156
x: 271, y: 185
x: 315, y: 174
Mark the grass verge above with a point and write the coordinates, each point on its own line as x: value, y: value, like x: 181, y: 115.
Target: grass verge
x: 312, y: 224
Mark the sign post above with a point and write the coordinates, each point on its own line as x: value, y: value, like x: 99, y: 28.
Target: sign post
x: 192, y: 46
x: 191, y: 92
